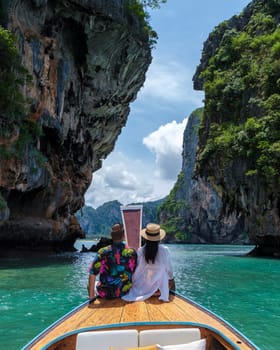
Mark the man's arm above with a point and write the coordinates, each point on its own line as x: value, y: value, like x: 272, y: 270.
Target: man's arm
x: 91, y: 286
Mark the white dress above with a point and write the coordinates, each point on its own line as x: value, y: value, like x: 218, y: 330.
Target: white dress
x: 148, y: 278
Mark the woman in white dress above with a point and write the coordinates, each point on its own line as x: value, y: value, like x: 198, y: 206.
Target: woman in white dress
x: 153, y: 274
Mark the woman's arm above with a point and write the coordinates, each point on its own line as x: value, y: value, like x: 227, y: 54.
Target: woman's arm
x: 171, y: 284
x: 171, y: 281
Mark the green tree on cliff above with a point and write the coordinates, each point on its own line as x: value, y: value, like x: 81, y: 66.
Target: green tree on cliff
x: 12, y: 76
x: 242, y: 88
x: 140, y: 8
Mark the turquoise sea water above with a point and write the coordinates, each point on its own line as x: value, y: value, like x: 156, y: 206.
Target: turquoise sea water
x: 244, y: 291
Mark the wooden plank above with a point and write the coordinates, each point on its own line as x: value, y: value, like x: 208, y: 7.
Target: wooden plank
x: 174, y: 313
x: 155, y: 310
x: 134, y: 312
x: 102, y: 312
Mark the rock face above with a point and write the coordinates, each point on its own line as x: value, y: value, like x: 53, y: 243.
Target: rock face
x: 199, y: 214
x: 88, y: 60
x: 238, y: 153
x: 205, y: 214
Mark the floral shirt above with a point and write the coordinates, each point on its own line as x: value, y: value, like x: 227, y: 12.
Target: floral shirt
x: 115, y: 265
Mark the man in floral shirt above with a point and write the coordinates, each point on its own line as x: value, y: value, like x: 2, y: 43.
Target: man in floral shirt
x: 115, y: 265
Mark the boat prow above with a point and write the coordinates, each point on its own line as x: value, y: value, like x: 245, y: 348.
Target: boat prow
x: 137, y: 324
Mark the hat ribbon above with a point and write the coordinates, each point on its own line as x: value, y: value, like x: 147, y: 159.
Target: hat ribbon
x: 152, y: 234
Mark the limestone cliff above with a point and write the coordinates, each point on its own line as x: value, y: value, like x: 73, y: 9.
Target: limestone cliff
x: 229, y: 186
x: 239, y: 153
x: 87, y: 60
x: 192, y: 212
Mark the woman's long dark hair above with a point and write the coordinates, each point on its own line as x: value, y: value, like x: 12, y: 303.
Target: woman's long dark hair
x: 150, y: 251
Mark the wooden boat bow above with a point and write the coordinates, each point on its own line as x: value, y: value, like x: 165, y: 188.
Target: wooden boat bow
x: 149, y: 314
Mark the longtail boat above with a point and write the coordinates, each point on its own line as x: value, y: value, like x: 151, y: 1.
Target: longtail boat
x: 103, y: 316
x: 180, y: 324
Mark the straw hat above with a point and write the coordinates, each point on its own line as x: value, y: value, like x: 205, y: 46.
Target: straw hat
x: 153, y: 232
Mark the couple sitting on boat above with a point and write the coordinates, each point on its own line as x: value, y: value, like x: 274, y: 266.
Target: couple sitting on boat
x: 132, y: 275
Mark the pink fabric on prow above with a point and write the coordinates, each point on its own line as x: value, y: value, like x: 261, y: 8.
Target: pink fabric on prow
x: 132, y: 223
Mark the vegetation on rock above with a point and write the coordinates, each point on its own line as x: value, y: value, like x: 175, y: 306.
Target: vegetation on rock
x: 242, y: 87
x: 140, y: 9
x: 173, y: 208
x: 12, y: 77
x: 13, y: 112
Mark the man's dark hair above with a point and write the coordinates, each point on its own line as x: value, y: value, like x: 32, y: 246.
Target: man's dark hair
x: 117, y: 232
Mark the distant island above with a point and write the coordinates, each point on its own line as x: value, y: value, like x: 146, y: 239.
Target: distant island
x: 97, y: 222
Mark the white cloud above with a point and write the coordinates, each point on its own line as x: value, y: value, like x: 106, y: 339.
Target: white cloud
x: 133, y: 180
x: 120, y: 179
x: 166, y: 143
x: 170, y: 82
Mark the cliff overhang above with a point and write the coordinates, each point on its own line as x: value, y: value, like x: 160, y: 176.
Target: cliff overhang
x: 87, y: 60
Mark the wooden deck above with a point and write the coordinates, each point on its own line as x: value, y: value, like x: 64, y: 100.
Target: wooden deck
x: 118, y: 312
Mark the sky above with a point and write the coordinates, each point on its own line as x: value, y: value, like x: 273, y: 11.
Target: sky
x: 147, y: 156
